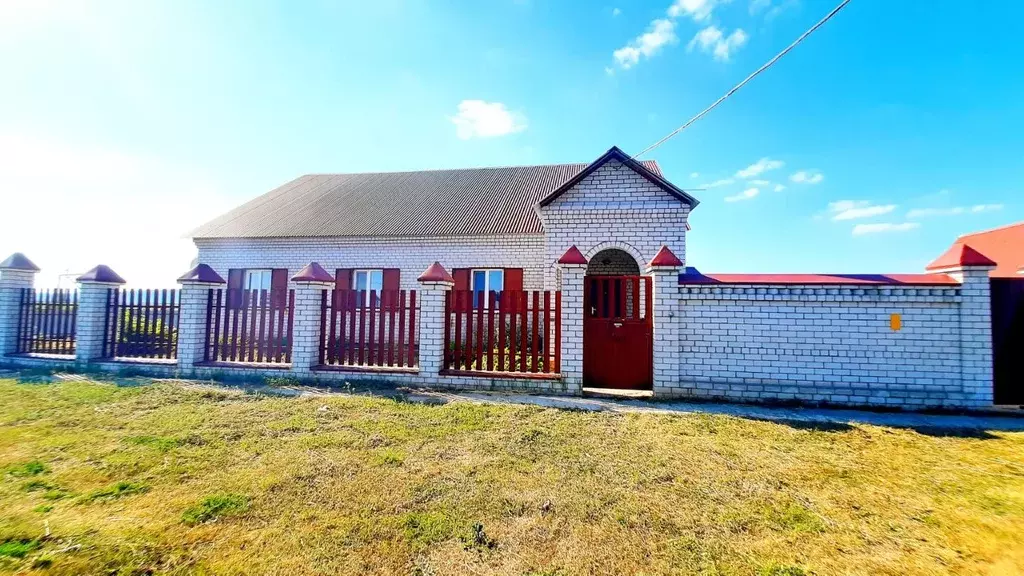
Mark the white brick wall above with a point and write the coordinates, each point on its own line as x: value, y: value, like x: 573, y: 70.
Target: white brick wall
x: 411, y: 255
x: 824, y: 344
x: 614, y: 207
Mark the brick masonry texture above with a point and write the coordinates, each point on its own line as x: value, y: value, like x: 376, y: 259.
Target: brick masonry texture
x: 613, y: 207
x: 831, y: 344
x: 809, y: 343
x: 411, y: 255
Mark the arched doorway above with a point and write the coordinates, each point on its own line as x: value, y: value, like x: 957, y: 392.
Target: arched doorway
x: 617, y: 323
x: 613, y: 262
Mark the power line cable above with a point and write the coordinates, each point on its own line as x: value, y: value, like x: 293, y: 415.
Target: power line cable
x: 745, y: 80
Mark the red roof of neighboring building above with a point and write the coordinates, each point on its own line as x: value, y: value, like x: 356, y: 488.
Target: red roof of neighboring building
x: 665, y: 257
x: 693, y: 276
x: 573, y: 256
x: 1003, y: 245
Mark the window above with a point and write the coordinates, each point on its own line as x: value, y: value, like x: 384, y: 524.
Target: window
x: 258, y: 279
x: 366, y: 280
x: 485, y: 282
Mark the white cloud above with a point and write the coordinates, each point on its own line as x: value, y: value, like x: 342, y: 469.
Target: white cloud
x: 713, y: 41
x: 129, y: 212
x: 758, y: 6
x: 760, y: 182
x: 918, y: 213
x: 479, y: 119
x: 660, y: 33
x: 745, y: 195
x: 616, y: 11
x: 807, y: 177
x: 759, y: 167
x: 718, y: 183
x: 694, y: 174
x: 853, y: 210
x: 779, y: 187
x: 863, y: 229
x: 698, y: 10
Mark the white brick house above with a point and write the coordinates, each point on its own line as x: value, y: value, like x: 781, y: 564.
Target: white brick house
x: 611, y: 237
x: 906, y: 340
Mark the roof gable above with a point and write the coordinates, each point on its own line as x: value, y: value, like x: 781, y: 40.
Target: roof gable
x: 616, y: 154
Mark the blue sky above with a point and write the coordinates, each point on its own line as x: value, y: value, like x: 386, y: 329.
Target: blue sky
x: 893, y: 129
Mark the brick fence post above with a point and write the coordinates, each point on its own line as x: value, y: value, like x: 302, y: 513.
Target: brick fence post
x: 572, y: 268
x: 971, y: 269
x: 435, y: 282
x: 196, y: 285
x: 93, y: 294
x: 16, y: 274
x: 311, y: 283
x: 664, y: 270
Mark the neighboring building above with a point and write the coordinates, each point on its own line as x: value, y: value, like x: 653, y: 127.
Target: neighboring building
x: 1003, y: 245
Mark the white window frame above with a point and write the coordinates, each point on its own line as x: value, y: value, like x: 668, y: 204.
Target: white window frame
x: 487, y: 283
x: 269, y: 275
x: 369, y: 274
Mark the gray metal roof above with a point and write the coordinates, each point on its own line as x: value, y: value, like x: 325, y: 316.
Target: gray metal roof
x: 466, y: 202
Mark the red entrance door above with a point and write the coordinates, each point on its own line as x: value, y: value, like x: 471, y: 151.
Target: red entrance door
x: 617, y: 332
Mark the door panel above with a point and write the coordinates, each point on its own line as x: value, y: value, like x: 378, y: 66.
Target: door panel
x: 617, y: 332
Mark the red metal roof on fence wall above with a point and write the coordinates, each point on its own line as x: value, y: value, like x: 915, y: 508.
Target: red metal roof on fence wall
x: 693, y: 276
x: 475, y: 201
x: 1003, y: 245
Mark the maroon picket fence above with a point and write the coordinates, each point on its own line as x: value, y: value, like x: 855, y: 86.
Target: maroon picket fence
x: 514, y: 331
x: 364, y: 329
x: 141, y: 323
x: 252, y: 326
x: 46, y: 322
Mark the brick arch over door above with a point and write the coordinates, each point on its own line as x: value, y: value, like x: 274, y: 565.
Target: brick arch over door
x: 613, y: 262
x: 637, y: 256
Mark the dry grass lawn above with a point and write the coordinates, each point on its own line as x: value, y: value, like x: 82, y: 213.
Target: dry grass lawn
x: 158, y: 479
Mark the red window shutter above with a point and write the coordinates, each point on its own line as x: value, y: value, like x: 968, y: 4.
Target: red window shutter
x: 343, y: 279
x: 235, y: 278
x: 461, y: 277
x: 514, y: 279
x: 391, y: 279
x: 279, y: 287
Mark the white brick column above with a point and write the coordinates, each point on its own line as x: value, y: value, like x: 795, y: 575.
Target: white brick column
x: 572, y: 268
x: 664, y: 271
x: 976, y: 370
x: 310, y: 284
x: 435, y: 282
x: 16, y: 274
x: 93, y: 294
x: 196, y: 285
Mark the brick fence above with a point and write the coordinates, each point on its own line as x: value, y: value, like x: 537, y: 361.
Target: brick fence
x: 883, y: 345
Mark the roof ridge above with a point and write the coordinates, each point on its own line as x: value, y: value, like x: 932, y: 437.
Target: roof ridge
x: 996, y: 229
x: 505, y: 166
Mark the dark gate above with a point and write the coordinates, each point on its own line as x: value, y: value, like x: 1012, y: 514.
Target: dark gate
x: 617, y: 332
x: 1008, y: 340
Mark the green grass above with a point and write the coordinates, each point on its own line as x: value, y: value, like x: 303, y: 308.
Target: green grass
x: 215, y: 507
x: 97, y: 478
